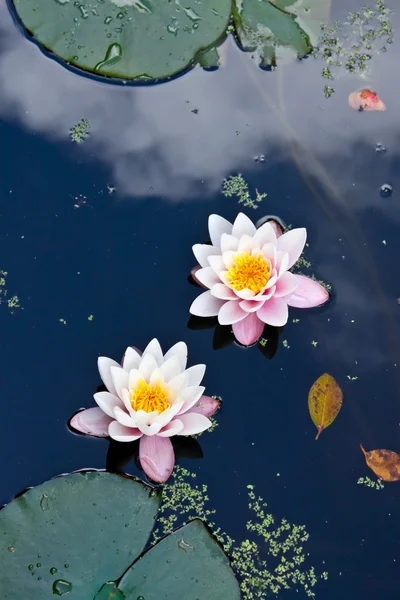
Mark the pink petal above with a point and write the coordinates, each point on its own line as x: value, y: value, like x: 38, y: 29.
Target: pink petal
x: 193, y: 273
x: 243, y: 226
x: 217, y: 226
x: 274, y: 312
x: 206, y: 305
x: 92, y: 421
x: 230, y: 313
x: 308, y: 294
x: 120, y: 433
x: 293, y: 243
x: 248, y: 330
x: 206, y: 406
x: 194, y: 423
x: 252, y: 305
x: 207, y: 277
x: 282, y: 262
x: 286, y: 285
x: 220, y: 290
x: 202, y: 252
x: 276, y: 227
x: 157, y: 458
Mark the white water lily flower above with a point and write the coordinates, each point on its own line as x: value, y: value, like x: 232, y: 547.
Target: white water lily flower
x: 247, y: 273
x: 151, y: 397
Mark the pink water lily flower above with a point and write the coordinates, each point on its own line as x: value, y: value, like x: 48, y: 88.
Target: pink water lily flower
x: 151, y: 397
x: 246, y: 271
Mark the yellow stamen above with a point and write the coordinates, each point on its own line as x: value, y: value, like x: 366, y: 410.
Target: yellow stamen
x: 149, y: 397
x: 251, y: 272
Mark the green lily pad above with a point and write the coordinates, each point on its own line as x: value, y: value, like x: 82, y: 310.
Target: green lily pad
x: 73, y: 533
x: 187, y: 564
x: 126, y: 38
x: 82, y: 535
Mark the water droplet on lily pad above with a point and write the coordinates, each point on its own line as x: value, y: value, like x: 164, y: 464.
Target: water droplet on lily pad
x: 113, y: 55
x: 62, y: 587
x: 11, y: 548
x: 184, y: 546
x: 44, y: 504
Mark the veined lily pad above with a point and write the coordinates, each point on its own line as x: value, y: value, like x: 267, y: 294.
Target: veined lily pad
x: 126, y: 38
x: 156, y: 39
x: 78, y: 534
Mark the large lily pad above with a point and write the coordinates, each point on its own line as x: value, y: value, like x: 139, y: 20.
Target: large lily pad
x: 126, y: 38
x: 156, y: 39
x: 188, y: 564
x: 79, y: 534
x: 73, y: 533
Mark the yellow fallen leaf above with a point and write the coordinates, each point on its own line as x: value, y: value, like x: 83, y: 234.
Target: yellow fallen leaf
x: 324, y: 401
x: 384, y: 463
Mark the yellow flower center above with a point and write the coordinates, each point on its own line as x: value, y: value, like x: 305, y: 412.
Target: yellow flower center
x: 250, y: 272
x: 149, y: 397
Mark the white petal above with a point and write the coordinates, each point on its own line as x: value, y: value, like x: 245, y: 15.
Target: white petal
x: 173, y: 428
x: 231, y: 313
x: 251, y: 305
x: 246, y: 243
x: 265, y: 235
x: 108, y: 402
x: 190, y: 396
x: 154, y: 349
x: 135, y: 376
x: 216, y: 263
x: 207, y: 277
x: 171, y: 368
x: 147, y: 366
x: 228, y: 258
x: 104, y: 365
x: 293, y: 243
x: 156, y: 376
x: 177, y: 384
x: 120, y: 433
x: 217, y: 226
x: 131, y: 359
x: 142, y: 419
x: 229, y: 242
x: 167, y: 415
x: 123, y: 417
x: 220, y: 290
x: 282, y: 262
x: 126, y: 399
x: 269, y: 251
x: 202, y: 252
x: 194, y: 423
x: 243, y: 225
x: 120, y: 379
x: 206, y: 305
x: 180, y: 350
x: 195, y: 374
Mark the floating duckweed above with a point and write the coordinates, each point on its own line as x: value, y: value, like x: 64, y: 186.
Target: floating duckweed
x: 12, y: 302
x: 273, y: 560
x: 352, y: 43
x: 367, y: 482
x: 79, y: 132
x: 237, y: 186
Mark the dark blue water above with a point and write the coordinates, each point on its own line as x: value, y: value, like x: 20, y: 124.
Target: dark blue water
x: 124, y: 256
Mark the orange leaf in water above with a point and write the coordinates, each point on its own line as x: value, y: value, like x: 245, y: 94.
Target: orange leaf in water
x: 384, y: 463
x: 366, y: 100
x: 324, y: 401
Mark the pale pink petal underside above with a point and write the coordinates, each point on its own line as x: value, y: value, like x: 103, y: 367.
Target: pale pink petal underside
x: 274, y: 312
x: 286, y: 284
x: 249, y: 330
x: 293, y: 243
x: 230, y: 313
x: 194, y: 423
x: 206, y: 406
x: 92, y: 421
x: 206, y: 305
x: 217, y: 226
x: 309, y: 293
x: 157, y: 458
x: 202, y: 252
x: 193, y: 273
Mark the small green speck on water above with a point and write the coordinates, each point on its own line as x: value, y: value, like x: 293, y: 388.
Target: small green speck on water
x: 63, y: 321
x: 370, y: 483
x: 90, y: 318
x: 79, y: 132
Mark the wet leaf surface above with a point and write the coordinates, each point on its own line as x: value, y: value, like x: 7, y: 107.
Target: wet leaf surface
x: 324, y: 401
x: 384, y: 463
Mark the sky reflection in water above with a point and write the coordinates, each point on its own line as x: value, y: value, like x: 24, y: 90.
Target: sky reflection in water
x: 125, y: 257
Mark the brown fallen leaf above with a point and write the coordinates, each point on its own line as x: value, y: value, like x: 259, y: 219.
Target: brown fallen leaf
x: 324, y: 401
x: 384, y: 463
x: 366, y: 100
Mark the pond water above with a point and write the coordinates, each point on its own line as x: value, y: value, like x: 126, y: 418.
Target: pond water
x: 96, y: 240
